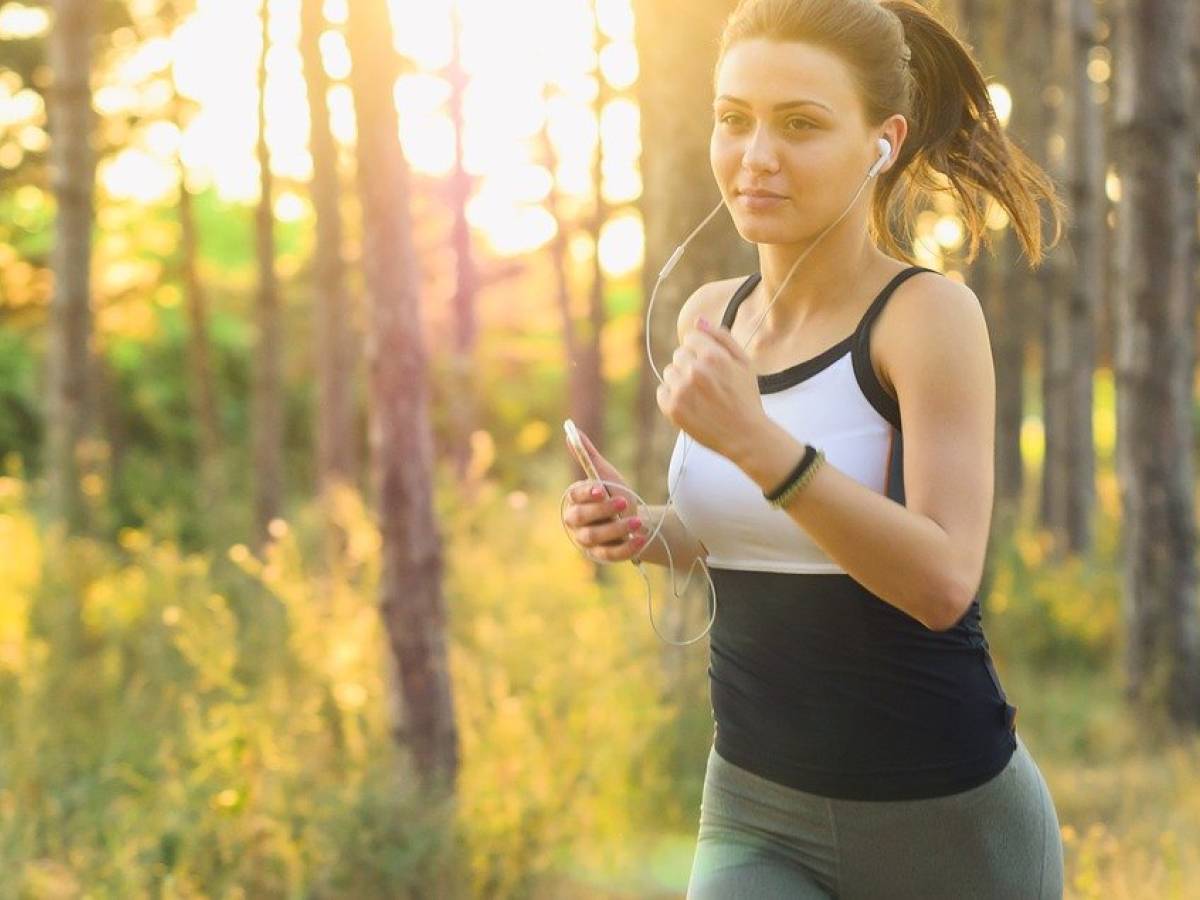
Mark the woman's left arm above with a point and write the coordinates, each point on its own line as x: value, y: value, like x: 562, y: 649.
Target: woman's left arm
x: 925, y: 556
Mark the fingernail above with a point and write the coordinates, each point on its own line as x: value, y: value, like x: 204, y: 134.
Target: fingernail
x: 620, y: 503
x: 597, y: 492
x: 634, y: 524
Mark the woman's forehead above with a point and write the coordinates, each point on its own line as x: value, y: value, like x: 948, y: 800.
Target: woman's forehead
x: 765, y: 73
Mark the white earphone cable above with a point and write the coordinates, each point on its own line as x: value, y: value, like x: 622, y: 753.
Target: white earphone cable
x: 885, y: 154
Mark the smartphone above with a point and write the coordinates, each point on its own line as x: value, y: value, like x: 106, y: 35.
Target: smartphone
x: 581, y: 454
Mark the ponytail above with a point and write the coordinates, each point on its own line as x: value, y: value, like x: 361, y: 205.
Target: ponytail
x: 956, y: 142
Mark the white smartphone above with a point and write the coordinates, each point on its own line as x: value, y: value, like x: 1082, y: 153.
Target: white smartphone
x: 581, y: 454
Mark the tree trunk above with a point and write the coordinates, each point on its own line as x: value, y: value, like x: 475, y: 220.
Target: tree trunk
x: 1069, y: 361
x: 268, y: 371
x: 201, y: 382
x: 466, y: 286
x: 559, y: 263
x: 1055, y: 278
x: 675, y: 93
x: 72, y: 174
x: 1003, y: 286
x: 335, y: 363
x: 1155, y: 359
x: 592, y: 388
x: 210, y: 443
x: 401, y: 432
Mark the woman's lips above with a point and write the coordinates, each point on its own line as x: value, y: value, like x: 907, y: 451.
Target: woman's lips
x: 759, y: 202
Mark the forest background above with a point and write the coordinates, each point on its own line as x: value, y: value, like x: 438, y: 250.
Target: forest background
x: 294, y: 297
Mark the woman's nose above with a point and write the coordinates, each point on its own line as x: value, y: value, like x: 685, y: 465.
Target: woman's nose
x: 759, y: 154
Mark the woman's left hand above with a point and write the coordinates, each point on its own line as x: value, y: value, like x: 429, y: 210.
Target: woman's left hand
x: 710, y: 391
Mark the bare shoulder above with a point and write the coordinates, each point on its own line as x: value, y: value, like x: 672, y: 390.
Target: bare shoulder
x: 708, y: 300
x: 928, y: 311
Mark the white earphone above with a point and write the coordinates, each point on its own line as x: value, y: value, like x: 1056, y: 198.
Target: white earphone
x: 885, y: 153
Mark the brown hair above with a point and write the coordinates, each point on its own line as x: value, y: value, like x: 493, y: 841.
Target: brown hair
x: 906, y: 61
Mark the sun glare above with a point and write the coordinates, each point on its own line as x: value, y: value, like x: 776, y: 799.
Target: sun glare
x: 521, y: 81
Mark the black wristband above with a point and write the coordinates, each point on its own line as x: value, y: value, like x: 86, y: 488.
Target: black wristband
x: 810, y: 453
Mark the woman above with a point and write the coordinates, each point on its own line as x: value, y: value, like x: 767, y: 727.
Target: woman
x: 864, y: 746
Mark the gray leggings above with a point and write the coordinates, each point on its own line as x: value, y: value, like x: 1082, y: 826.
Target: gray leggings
x: 758, y: 839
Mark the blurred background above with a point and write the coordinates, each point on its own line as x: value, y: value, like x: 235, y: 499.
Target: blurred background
x: 294, y: 297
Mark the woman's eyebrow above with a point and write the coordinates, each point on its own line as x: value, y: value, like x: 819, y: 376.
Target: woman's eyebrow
x: 778, y: 106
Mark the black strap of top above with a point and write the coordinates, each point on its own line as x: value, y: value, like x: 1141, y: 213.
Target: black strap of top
x: 747, y: 287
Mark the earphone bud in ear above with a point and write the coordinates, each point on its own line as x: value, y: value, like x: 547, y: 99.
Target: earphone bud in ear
x: 885, y: 153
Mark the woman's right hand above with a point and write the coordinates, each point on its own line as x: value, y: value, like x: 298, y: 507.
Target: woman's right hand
x: 609, y: 528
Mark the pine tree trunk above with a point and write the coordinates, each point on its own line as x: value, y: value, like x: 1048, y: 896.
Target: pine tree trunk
x: 335, y: 364
x: 210, y: 443
x: 592, y: 387
x: 1085, y: 154
x: 268, y: 363
x: 401, y: 432
x: 1155, y: 358
x: 72, y: 175
x: 462, y: 399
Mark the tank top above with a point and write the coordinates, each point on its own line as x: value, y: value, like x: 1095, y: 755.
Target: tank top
x: 815, y: 682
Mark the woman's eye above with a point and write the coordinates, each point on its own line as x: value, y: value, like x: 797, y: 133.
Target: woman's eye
x: 725, y: 119
x: 803, y: 122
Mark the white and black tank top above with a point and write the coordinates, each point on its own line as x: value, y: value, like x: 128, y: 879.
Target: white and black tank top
x: 815, y: 682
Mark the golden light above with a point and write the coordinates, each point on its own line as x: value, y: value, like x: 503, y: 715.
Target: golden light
x: 291, y: 207
x: 1112, y: 185
x: 997, y: 217
x: 622, y: 243
x: 1057, y: 148
x: 948, y: 231
x: 615, y: 19
x: 619, y: 64
x: 342, y: 121
x: 422, y: 30
x: 163, y: 139
x: 1099, y: 67
x: 1099, y: 71
x: 25, y: 105
x: 335, y: 55
x: 1001, y: 102
x: 135, y: 174
x: 19, y: 22
x: 336, y: 11
x: 520, y: 81
x: 426, y: 133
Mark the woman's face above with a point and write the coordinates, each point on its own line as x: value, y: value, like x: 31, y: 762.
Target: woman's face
x: 814, y: 155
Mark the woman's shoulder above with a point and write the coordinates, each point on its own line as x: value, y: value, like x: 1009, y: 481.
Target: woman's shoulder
x: 708, y: 300
x: 921, y: 306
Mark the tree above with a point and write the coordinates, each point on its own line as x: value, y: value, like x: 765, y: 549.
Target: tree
x: 268, y: 357
x: 466, y: 281
x: 334, y: 337
x: 72, y: 168
x: 1070, y: 358
x: 1155, y: 307
x: 401, y: 432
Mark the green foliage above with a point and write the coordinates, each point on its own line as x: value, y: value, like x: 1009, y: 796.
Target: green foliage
x: 187, y: 726
x: 20, y: 419
x: 557, y: 690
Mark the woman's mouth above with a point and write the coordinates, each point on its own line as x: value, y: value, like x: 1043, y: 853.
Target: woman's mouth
x: 760, y: 200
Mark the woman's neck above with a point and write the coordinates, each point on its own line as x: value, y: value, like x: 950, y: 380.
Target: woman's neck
x: 822, y: 284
